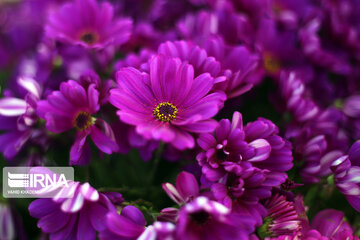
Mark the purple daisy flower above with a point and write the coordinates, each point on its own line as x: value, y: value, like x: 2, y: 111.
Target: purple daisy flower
x: 73, y: 107
x: 206, y: 219
x: 75, y: 218
x: 168, y: 103
x: 243, y: 163
x: 88, y: 24
x: 129, y: 225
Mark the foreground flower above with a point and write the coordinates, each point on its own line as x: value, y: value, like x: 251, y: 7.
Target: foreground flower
x: 75, y: 218
x: 73, y: 107
x: 206, y: 219
x: 168, y: 103
x: 88, y: 24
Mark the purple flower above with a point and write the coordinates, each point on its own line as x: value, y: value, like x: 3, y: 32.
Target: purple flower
x: 129, y: 225
x: 243, y: 163
x: 72, y: 218
x: 88, y: 24
x: 73, y: 107
x: 18, y: 118
x: 206, y: 219
x: 168, y: 103
x: 187, y: 188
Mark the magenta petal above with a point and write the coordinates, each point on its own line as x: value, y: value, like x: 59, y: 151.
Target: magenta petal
x: 132, y: 82
x: 93, y: 98
x: 200, y: 87
x: 103, y: 142
x: 173, y: 193
x: 85, y: 229
x: 12, y: 107
x: 42, y: 207
x: 80, y: 150
x: 206, y: 141
x: 327, y: 221
x: 262, y: 150
x: 122, y: 226
x: 68, y: 231
x: 53, y: 221
x: 133, y: 214
x: 183, y: 140
x: 163, y: 132
x: 187, y: 185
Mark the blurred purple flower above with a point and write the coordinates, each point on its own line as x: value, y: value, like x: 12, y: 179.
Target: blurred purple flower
x: 89, y: 24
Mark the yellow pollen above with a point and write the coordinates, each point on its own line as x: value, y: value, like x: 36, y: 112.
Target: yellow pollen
x: 165, y: 112
x: 271, y: 64
x: 83, y: 120
x: 89, y: 37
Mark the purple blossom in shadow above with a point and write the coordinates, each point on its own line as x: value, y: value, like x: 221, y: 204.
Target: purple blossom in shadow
x: 73, y: 107
x: 241, y: 164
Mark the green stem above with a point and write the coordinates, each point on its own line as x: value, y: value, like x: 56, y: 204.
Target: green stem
x: 156, y: 161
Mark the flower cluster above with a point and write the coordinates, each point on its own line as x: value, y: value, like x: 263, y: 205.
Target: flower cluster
x: 252, y: 107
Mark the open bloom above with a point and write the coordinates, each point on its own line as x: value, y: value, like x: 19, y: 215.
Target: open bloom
x: 168, y: 103
x: 88, y: 24
x: 75, y: 218
x: 73, y: 107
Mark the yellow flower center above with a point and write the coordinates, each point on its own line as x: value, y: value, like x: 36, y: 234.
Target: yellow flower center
x: 89, y: 37
x: 165, y: 112
x: 271, y: 64
x: 83, y: 120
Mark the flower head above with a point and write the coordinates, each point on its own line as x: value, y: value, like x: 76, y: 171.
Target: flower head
x: 168, y: 103
x: 73, y: 107
x: 88, y: 24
